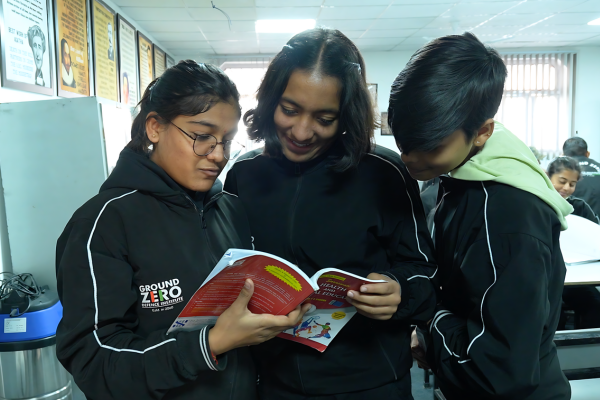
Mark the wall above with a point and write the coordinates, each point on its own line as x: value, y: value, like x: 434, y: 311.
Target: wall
x: 11, y: 95
x: 383, y: 67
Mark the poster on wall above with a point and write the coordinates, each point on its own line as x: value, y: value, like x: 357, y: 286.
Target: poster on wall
x: 160, y: 62
x: 170, y: 62
x: 385, y: 129
x: 145, y: 62
x: 128, y: 77
x: 72, y: 48
x: 106, y: 74
x: 27, y: 48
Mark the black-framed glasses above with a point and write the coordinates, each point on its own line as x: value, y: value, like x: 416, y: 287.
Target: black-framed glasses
x: 205, y: 143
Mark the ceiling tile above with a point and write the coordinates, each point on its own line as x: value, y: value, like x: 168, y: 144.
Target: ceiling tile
x: 276, y: 37
x: 429, y: 34
x: 349, y: 24
x: 223, y: 26
x: 517, y: 19
x: 195, y: 44
x: 229, y: 35
x: 170, y: 26
x: 389, y: 33
x: 149, y: 3
x: 478, y: 9
x: 235, y: 14
x: 378, y: 42
x: 402, y: 23
x: 157, y: 14
x: 175, y: 36
x: 237, y: 50
x: 417, y: 11
x: 588, y: 6
x: 574, y: 18
x: 349, y: 3
x: 365, y: 12
x: 290, y: 3
x: 287, y: 12
x: 223, y: 4
x: 551, y: 6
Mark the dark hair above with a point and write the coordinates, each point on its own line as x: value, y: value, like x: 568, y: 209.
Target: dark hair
x: 330, y: 52
x: 575, y: 146
x: 63, y: 41
x: 453, y: 82
x: 564, y: 163
x: 187, y: 88
x: 34, y: 31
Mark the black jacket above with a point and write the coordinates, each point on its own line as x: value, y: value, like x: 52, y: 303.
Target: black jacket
x: 583, y: 209
x: 127, y: 263
x: 501, y: 274
x: 588, y: 188
x: 369, y: 219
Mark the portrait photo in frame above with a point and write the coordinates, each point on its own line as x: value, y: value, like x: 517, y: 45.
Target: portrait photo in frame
x: 145, y: 62
x: 27, y: 50
x: 104, y: 51
x: 128, y: 59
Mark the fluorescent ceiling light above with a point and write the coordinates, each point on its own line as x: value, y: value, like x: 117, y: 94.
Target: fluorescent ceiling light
x: 284, y: 25
x: 594, y: 22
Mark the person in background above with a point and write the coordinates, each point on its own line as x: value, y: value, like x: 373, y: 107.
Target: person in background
x: 588, y: 188
x: 565, y: 173
x: 132, y: 256
x: 496, y: 229
x: 322, y: 195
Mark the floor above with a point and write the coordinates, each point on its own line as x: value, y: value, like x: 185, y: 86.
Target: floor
x: 417, y: 376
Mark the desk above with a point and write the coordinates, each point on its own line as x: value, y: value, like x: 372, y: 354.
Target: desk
x: 583, y: 274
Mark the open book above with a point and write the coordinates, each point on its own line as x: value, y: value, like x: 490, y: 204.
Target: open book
x: 279, y: 287
x: 580, y: 244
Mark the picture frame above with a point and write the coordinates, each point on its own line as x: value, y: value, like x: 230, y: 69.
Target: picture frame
x: 105, y: 50
x: 27, y: 46
x: 72, y: 47
x: 128, y: 62
x: 145, y: 62
x: 170, y: 61
x: 160, y: 61
x: 385, y: 129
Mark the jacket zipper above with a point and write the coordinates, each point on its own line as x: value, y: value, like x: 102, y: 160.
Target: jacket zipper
x: 203, y: 221
x: 292, y: 219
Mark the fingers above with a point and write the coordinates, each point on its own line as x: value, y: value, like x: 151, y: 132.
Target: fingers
x: 374, y: 312
x: 374, y: 300
x: 245, y: 295
x: 381, y: 288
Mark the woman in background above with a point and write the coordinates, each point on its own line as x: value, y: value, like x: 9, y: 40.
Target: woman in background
x: 132, y: 256
x: 322, y: 195
x: 564, y: 173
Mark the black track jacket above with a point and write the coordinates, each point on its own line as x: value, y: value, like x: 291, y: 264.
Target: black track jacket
x: 127, y: 263
x: 369, y: 219
x: 502, y: 275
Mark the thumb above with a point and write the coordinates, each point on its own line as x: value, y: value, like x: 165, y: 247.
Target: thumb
x: 245, y: 295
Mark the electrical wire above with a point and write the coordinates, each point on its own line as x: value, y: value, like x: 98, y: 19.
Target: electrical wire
x: 24, y: 284
x: 228, y: 18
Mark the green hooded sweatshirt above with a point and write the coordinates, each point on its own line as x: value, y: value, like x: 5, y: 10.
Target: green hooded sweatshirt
x: 506, y: 159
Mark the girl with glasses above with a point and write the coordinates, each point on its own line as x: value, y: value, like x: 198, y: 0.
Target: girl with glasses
x: 131, y: 257
x: 320, y: 195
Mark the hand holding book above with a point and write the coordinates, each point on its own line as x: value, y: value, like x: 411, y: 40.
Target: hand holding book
x: 239, y: 327
x: 377, y: 301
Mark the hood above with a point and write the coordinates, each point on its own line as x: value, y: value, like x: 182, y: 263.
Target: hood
x: 135, y: 171
x: 506, y: 159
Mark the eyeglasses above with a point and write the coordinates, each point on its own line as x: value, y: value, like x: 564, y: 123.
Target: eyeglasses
x: 205, y: 144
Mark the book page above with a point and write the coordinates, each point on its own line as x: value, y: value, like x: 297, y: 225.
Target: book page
x: 581, y: 242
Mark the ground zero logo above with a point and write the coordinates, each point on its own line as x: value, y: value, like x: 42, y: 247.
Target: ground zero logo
x: 161, y: 294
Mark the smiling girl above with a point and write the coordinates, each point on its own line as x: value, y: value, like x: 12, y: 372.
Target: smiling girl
x: 322, y: 195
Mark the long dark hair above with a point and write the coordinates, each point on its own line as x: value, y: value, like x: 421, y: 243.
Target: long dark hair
x: 187, y: 88
x: 564, y: 163
x: 330, y: 52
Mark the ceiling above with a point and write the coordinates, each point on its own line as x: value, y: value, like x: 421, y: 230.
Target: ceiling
x: 194, y: 28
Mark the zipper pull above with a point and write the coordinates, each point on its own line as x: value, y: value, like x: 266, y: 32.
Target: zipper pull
x: 297, y: 169
x: 202, y: 219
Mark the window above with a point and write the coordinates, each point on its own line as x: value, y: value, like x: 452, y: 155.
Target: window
x: 537, y: 100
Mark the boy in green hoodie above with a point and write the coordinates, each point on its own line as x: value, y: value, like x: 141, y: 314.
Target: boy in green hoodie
x: 496, y: 227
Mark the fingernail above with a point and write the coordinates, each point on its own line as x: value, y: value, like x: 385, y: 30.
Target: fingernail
x: 350, y: 294
x: 247, y: 285
x: 363, y: 288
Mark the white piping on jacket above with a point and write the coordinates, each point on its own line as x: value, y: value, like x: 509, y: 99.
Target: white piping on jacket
x: 487, y: 234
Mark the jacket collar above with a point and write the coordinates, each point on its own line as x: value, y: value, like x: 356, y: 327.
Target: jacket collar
x: 326, y: 159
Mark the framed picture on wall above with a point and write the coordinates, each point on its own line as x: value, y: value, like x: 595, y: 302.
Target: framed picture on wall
x: 128, y: 70
x: 71, y: 44
x: 27, y: 50
x: 106, y: 71
x: 170, y: 62
x: 160, y: 61
x: 373, y: 90
x: 385, y: 129
x: 145, y: 62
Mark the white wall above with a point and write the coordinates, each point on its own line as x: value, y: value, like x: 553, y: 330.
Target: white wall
x: 586, y: 110
x: 11, y: 95
x: 383, y: 67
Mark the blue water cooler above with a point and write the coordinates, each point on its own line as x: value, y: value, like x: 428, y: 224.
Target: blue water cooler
x: 29, y: 368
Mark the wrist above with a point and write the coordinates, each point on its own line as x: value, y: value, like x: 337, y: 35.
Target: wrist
x: 215, y: 342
